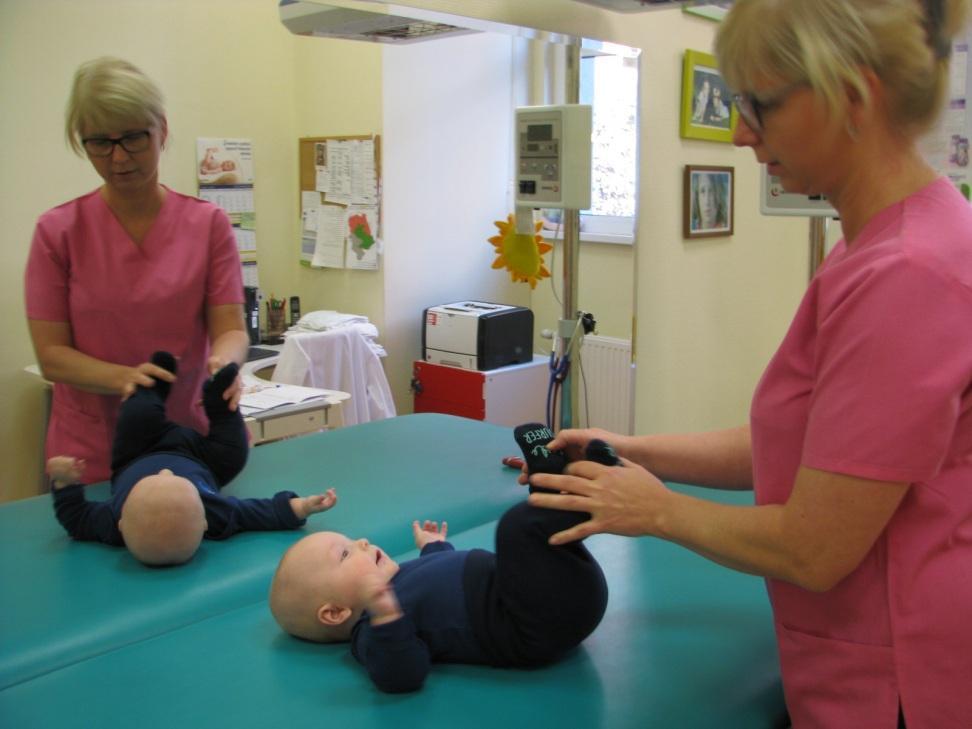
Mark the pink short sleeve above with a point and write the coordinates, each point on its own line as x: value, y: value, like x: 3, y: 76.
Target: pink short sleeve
x: 46, y: 278
x: 892, y: 366
x: 224, y: 281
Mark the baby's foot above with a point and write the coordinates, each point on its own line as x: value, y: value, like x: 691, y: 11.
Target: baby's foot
x: 600, y: 452
x: 166, y: 361
x: 216, y: 385
x: 532, y: 439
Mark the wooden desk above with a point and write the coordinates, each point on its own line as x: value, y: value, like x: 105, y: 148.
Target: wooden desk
x: 287, y: 421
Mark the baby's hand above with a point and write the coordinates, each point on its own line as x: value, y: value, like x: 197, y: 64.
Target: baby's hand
x: 305, y: 506
x: 380, y: 599
x: 428, y: 532
x: 65, y: 470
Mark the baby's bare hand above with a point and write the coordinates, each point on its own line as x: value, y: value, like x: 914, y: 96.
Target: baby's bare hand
x: 305, y: 506
x: 380, y: 599
x: 429, y: 531
x: 65, y: 470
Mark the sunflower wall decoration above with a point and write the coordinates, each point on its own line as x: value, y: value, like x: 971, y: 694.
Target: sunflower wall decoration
x: 520, y: 253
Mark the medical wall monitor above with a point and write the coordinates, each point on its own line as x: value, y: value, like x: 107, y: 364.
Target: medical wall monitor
x: 776, y: 201
x: 553, y: 156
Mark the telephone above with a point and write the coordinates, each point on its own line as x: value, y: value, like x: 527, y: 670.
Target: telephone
x: 294, y: 310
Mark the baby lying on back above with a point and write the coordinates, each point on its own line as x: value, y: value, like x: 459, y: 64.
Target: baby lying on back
x: 166, y: 480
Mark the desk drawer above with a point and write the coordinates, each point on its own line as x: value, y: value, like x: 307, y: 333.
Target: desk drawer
x: 296, y: 424
x: 255, y: 428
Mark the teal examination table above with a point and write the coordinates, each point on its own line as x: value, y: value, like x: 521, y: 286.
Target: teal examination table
x: 90, y: 638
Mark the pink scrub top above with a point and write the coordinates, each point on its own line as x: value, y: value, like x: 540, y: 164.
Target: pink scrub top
x: 124, y: 301
x: 873, y: 380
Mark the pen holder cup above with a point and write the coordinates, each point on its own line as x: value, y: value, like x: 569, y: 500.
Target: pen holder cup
x: 275, y: 322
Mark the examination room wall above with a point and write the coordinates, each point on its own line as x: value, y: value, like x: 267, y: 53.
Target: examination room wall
x: 337, y: 93
x: 709, y: 313
x: 228, y: 68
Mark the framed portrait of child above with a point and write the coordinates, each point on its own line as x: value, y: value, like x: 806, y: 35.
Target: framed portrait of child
x: 708, y: 201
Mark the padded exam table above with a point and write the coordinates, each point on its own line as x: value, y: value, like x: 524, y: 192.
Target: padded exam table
x: 90, y: 638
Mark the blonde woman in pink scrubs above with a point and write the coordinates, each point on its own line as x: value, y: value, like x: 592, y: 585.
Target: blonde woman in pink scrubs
x: 127, y: 269
x: 859, y: 441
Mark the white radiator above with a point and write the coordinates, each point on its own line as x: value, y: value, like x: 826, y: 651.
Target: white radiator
x: 606, y: 393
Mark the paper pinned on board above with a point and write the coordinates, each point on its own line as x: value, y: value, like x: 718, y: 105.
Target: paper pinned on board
x: 362, y: 238
x: 329, y: 244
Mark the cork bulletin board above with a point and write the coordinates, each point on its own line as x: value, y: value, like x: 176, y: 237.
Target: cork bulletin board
x: 340, y: 201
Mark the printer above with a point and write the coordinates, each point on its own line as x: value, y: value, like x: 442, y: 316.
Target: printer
x: 477, y: 335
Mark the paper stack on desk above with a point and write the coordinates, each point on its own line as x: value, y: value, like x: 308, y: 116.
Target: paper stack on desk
x: 261, y: 395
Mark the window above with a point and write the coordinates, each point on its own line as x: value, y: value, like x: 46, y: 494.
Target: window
x: 609, y: 83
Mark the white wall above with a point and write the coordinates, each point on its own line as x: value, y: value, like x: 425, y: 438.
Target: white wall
x: 226, y: 68
x: 448, y: 125
x: 708, y: 313
x: 337, y: 93
x: 229, y: 68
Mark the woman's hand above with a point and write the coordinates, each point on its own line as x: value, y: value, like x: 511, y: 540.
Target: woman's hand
x: 625, y: 500
x: 145, y: 375
x: 574, y: 441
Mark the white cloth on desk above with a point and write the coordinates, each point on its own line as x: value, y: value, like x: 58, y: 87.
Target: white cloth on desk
x: 338, y: 359
x: 324, y: 320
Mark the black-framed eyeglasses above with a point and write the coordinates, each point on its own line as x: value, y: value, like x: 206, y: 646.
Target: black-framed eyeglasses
x: 133, y: 142
x: 752, y: 107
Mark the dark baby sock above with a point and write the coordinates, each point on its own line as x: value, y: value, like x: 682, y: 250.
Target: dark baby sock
x: 166, y: 361
x: 600, y: 452
x: 532, y: 439
x: 216, y: 385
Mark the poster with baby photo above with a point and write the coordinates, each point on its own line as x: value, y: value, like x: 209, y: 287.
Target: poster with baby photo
x: 224, y: 161
x: 224, y: 171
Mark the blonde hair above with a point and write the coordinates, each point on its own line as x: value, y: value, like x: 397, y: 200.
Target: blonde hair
x: 827, y: 43
x: 107, y: 91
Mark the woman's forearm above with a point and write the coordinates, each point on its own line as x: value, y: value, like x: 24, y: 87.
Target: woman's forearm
x: 66, y: 365
x: 718, y: 459
x: 228, y: 340
x: 231, y: 346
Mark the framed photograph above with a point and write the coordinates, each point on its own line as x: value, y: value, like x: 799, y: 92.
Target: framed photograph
x: 709, y: 198
x: 707, y: 110
x: 713, y: 11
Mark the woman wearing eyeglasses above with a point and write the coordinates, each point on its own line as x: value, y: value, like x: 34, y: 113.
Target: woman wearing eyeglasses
x: 127, y: 269
x: 859, y: 442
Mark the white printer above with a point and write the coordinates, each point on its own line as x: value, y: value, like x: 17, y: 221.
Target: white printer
x: 477, y: 335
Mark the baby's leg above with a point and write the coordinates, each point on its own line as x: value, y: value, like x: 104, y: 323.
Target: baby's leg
x: 547, y: 599
x: 142, y: 422
x: 551, y: 597
x: 226, y: 447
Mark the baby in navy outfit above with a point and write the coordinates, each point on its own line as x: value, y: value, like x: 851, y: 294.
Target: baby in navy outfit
x: 526, y: 604
x: 166, y: 480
